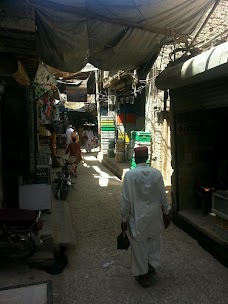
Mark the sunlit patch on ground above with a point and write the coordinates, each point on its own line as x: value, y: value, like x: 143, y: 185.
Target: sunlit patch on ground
x: 90, y: 158
x: 103, y: 176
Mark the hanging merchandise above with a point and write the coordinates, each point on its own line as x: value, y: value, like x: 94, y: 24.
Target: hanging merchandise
x: 56, y: 114
x: 43, y: 81
x: 132, y: 100
x: 46, y: 103
x: 48, y: 110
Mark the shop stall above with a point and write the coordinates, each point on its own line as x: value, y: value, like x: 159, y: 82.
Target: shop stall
x: 199, y: 110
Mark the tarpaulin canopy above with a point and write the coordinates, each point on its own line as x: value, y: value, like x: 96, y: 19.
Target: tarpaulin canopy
x: 112, y: 34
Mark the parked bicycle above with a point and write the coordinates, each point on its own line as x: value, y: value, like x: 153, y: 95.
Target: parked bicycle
x: 64, y: 179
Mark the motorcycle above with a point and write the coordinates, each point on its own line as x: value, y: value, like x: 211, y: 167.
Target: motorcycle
x: 64, y: 179
x: 19, y: 231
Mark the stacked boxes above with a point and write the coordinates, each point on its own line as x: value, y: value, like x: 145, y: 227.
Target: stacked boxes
x: 107, y: 132
x: 140, y: 138
x: 125, y: 124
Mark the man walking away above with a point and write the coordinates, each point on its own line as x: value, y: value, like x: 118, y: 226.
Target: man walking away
x: 88, y: 136
x: 75, y: 134
x: 52, y: 144
x: 75, y: 152
x: 68, y: 134
x: 143, y: 206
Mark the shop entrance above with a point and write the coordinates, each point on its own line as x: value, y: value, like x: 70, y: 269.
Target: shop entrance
x: 201, y: 161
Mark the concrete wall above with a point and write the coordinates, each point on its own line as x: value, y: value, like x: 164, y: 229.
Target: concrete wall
x: 1, y: 188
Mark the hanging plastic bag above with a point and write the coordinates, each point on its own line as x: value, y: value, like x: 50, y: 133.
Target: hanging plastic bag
x: 123, y: 241
x: 166, y: 220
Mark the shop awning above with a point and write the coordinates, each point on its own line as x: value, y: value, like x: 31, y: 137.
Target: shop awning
x: 112, y: 34
x: 211, y: 64
x: 74, y: 83
x: 76, y: 106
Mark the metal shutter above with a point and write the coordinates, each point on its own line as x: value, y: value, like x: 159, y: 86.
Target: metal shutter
x: 209, y: 95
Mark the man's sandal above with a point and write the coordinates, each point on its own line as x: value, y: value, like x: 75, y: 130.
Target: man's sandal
x: 143, y: 280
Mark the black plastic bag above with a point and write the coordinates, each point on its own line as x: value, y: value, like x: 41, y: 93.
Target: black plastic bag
x: 123, y: 241
x: 166, y: 220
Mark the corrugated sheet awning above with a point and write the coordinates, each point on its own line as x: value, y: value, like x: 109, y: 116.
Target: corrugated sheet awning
x: 211, y: 64
x: 112, y: 35
x: 77, y: 106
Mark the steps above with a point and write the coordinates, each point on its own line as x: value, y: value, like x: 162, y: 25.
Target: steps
x: 63, y: 231
x: 119, y: 169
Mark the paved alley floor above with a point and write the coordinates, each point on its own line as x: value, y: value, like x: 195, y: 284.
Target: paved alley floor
x: 187, y: 274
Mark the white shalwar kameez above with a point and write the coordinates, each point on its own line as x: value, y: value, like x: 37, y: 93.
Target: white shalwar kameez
x: 69, y: 131
x: 89, y: 141
x: 143, y: 203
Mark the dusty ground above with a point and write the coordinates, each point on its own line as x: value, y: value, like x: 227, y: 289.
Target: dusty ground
x: 187, y: 274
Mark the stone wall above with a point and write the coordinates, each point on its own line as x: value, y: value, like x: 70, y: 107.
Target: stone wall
x: 216, y: 29
x: 156, y: 121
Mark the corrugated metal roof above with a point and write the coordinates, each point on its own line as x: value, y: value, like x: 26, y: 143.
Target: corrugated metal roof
x: 211, y: 64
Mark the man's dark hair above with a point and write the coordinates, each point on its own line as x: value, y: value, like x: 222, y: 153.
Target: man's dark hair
x: 139, y: 160
x: 141, y: 154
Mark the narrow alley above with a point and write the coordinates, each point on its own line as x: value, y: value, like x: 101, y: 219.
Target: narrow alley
x: 94, y: 89
x: 99, y: 273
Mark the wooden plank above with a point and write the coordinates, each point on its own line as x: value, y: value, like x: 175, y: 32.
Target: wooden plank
x: 18, y: 35
x: 11, y: 42
x: 12, y: 45
x: 17, y: 15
